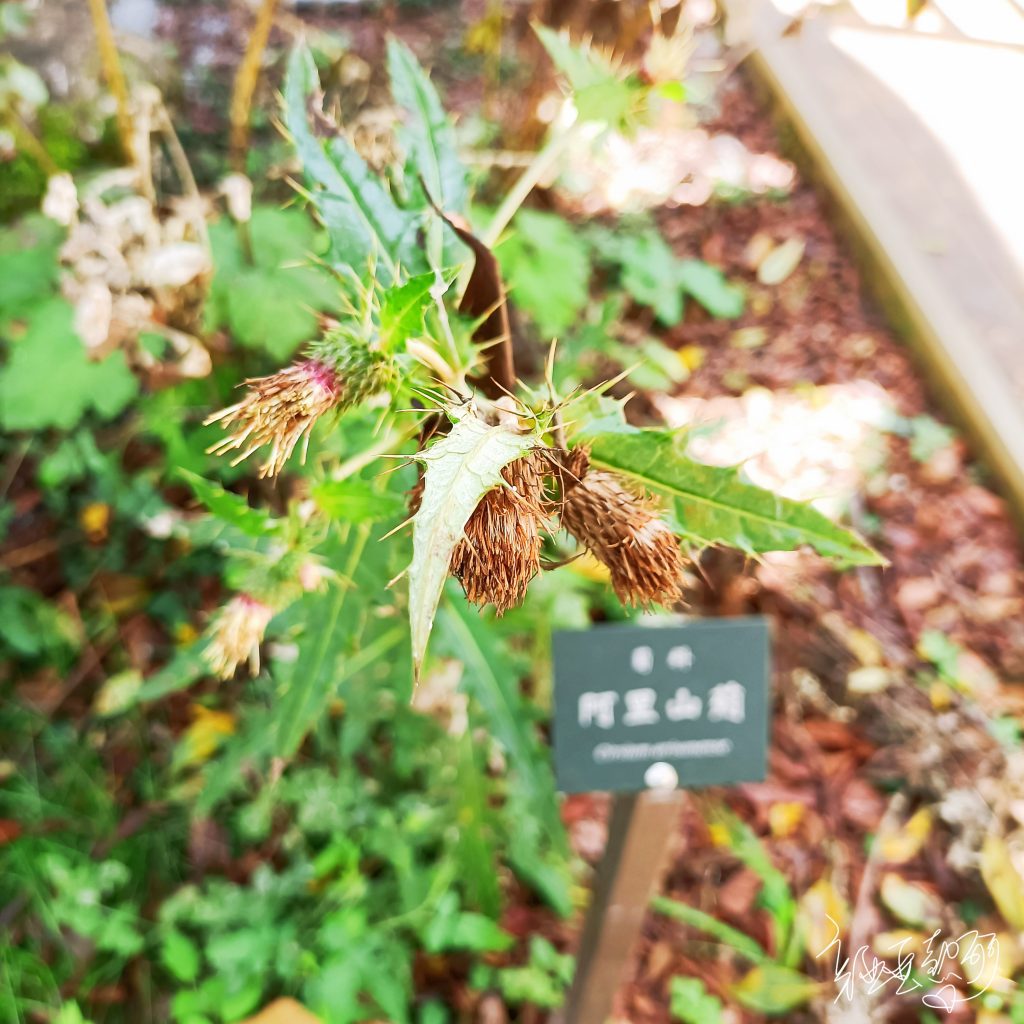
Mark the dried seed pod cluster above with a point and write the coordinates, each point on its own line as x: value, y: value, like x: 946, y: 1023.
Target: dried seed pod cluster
x: 500, y: 553
x: 624, y: 531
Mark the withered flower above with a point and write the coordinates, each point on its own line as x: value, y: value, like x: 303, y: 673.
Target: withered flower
x: 279, y: 411
x: 622, y: 530
x: 500, y: 553
x: 236, y: 633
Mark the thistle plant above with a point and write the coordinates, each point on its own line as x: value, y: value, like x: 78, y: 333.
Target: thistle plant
x: 513, y: 478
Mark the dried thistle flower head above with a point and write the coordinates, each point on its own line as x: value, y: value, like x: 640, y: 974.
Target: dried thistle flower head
x: 235, y: 635
x: 500, y: 553
x: 623, y: 530
x: 279, y: 411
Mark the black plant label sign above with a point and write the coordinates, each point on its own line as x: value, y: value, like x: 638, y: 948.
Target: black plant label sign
x: 640, y: 707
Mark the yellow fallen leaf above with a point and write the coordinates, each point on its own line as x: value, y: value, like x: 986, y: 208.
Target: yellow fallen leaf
x: 941, y: 695
x: 719, y: 835
x: 1003, y: 880
x: 989, y: 964
x: 692, y: 357
x: 590, y: 568
x: 908, y: 902
x: 784, y: 818
x: 95, y: 520
x: 821, y: 912
x: 904, y: 843
x: 283, y: 1011
x: 117, y: 692
x: 203, y: 736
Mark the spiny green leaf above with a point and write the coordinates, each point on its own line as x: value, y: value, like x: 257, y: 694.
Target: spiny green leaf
x: 427, y: 132
x: 365, y: 225
x: 601, y: 91
x: 712, y: 505
x: 458, y: 470
x: 402, y: 310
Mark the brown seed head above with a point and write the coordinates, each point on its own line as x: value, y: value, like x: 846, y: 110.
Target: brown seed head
x: 279, y: 411
x: 236, y: 633
x: 623, y: 531
x: 500, y: 553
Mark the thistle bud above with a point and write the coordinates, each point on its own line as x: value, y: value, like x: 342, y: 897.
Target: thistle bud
x: 279, y: 411
x: 500, y: 552
x: 235, y: 635
x: 340, y: 371
x: 623, y: 530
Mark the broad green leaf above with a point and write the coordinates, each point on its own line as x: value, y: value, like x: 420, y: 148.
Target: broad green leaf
x: 711, y: 505
x: 650, y: 270
x: 365, y: 225
x: 272, y: 302
x: 710, y: 288
x: 29, y: 264
x: 691, y: 1003
x: 772, y: 989
x: 49, y: 380
x: 546, y: 264
x: 427, y: 133
x: 180, y: 956
x: 458, y: 471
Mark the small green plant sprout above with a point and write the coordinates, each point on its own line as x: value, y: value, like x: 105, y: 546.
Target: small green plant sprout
x: 507, y: 470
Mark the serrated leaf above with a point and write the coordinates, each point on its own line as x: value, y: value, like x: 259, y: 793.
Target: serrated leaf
x: 711, y: 505
x: 458, y: 470
x: 49, y: 380
x: 230, y: 508
x: 402, y: 309
x: 356, y: 501
x: 365, y: 225
x: 427, y: 133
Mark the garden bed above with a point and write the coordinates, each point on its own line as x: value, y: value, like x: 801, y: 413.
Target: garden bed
x: 892, y: 803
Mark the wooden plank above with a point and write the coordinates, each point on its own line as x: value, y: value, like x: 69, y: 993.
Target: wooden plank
x: 930, y: 194
x: 639, y: 834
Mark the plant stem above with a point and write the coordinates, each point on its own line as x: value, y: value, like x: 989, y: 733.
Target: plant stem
x: 114, y: 76
x: 245, y: 83
x: 26, y: 140
x: 546, y: 158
